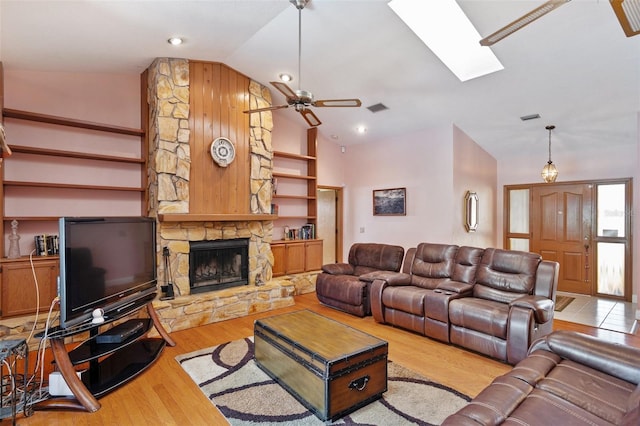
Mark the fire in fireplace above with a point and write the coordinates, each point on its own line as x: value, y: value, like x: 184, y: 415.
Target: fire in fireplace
x: 218, y: 264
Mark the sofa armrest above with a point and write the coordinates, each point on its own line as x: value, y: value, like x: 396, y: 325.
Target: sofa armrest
x: 611, y: 358
x: 390, y: 277
x: 338, y: 269
x: 542, y: 307
x: 455, y: 287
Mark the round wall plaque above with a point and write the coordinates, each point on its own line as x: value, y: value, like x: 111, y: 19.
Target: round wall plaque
x: 222, y: 151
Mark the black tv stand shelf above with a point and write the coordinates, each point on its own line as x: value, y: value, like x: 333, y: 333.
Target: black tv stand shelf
x: 90, y: 350
x: 123, y: 366
x: 110, y: 365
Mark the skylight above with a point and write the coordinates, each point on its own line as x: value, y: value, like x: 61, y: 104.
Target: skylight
x: 446, y: 30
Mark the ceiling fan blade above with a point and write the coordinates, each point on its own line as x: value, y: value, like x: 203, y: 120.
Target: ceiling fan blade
x: 628, y: 13
x: 284, y: 89
x: 271, y: 108
x: 310, y: 117
x: 337, y: 103
x: 522, y: 21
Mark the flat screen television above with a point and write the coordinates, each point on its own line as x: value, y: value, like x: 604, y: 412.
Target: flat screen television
x: 107, y: 263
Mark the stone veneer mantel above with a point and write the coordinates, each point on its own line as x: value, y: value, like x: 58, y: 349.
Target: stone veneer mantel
x: 188, y: 217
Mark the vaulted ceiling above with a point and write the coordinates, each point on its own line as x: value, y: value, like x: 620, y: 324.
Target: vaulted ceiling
x: 574, y: 66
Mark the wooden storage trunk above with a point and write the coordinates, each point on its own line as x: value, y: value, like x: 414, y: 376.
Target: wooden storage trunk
x: 332, y: 369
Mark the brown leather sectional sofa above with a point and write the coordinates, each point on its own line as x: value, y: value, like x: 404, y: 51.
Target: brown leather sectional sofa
x: 568, y: 379
x: 499, y: 303
x: 492, y: 301
x: 339, y: 285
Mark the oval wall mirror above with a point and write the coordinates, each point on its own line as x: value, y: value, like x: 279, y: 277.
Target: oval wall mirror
x: 471, y: 211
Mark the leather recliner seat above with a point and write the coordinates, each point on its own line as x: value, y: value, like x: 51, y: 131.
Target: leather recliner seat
x: 568, y: 378
x: 340, y: 286
x: 493, y: 301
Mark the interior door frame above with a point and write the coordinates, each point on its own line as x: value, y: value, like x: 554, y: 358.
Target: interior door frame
x: 628, y: 280
x: 339, y: 191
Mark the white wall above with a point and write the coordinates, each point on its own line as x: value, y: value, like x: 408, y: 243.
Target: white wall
x: 423, y: 164
x: 474, y: 170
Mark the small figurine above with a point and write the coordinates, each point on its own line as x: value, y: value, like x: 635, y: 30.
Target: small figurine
x: 14, y: 238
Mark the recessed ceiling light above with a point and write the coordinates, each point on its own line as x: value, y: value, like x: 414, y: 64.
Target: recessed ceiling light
x: 361, y: 129
x: 175, y: 41
x: 285, y: 77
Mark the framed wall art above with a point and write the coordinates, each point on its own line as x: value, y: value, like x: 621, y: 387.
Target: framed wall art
x: 390, y: 202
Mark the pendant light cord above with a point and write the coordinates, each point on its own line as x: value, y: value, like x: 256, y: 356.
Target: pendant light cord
x: 550, y: 128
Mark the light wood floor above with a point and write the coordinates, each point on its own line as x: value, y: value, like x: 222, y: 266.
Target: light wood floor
x: 165, y: 395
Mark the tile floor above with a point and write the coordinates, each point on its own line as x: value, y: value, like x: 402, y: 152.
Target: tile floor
x: 597, y: 312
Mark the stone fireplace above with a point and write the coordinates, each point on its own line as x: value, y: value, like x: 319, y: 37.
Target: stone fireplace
x: 173, y: 147
x: 185, y: 114
x: 216, y: 265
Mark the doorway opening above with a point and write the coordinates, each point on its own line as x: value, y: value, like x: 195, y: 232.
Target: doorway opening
x: 329, y: 222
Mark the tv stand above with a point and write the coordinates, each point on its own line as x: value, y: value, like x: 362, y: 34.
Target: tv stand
x: 110, y: 364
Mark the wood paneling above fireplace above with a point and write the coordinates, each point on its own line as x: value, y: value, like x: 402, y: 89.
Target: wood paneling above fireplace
x: 218, y: 97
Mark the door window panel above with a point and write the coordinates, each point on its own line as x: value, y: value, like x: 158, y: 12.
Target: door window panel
x: 519, y: 211
x: 611, y: 268
x: 521, y: 244
x: 611, y: 207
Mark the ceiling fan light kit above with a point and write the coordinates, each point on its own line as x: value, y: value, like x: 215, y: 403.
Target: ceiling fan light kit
x: 549, y: 171
x: 301, y: 99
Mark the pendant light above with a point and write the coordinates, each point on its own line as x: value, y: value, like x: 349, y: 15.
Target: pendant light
x: 549, y: 172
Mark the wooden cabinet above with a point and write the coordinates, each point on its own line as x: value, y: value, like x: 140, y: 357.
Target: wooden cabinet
x: 17, y: 286
x: 279, y: 259
x: 296, y: 256
x: 313, y: 255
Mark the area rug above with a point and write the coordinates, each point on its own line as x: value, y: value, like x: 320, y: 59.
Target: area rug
x: 562, y: 302
x: 230, y: 378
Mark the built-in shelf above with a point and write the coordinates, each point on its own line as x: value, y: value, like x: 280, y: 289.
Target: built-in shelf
x: 62, y: 121
x: 71, y: 186
x: 32, y: 218
x: 290, y: 176
x: 292, y: 156
x: 297, y: 217
x: 72, y: 154
x: 294, y: 197
x: 302, y: 194
x: 188, y: 217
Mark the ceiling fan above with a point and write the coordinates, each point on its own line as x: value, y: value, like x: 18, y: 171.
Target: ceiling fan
x: 627, y: 11
x: 522, y: 21
x: 300, y: 99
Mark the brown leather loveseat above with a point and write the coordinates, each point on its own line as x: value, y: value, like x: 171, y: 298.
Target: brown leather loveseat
x: 339, y: 284
x: 568, y: 379
x: 492, y: 301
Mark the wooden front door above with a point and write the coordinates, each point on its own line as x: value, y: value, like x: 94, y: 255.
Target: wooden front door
x: 561, y: 231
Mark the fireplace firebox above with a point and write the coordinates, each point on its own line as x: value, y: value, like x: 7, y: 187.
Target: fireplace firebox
x: 218, y: 264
